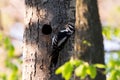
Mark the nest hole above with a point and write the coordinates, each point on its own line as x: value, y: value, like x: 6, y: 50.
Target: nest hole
x: 46, y: 29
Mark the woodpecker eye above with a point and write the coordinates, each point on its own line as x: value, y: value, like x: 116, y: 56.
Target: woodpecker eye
x: 46, y: 29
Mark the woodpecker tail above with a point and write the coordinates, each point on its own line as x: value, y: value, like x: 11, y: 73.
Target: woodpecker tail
x: 54, y: 58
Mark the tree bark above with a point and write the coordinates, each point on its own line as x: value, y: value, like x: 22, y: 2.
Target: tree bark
x: 37, y: 45
x: 88, y: 36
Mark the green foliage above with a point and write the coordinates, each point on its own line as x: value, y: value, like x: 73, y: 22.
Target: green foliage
x: 100, y: 66
x: 13, y: 76
x: 113, y: 68
x: 116, y: 32
x: 3, y: 76
x: 80, y: 71
x: 10, y: 65
x: 91, y: 70
x: 66, y: 70
x: 108, y: 32
x: 9, y: 47
x: 1, y: 36
x: 80, y: 68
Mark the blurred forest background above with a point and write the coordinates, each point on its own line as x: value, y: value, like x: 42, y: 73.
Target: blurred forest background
x: 12, y: 14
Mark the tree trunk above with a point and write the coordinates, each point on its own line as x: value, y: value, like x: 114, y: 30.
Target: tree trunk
x: 88, y: 35
x: 37, y: 41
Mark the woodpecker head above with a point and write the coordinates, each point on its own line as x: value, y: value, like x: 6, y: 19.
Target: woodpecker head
x: 70, y: 28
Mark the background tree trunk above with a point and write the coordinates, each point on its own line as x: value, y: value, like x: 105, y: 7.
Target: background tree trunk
x: 88, y: 35
x: 37, y: 46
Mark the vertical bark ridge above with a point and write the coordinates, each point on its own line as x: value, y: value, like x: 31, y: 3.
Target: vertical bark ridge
x: 88, y: 36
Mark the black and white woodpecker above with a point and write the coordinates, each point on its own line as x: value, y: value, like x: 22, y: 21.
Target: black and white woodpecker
x: 59, y: 40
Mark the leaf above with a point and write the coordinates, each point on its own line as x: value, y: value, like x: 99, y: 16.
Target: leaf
x: 13, y: 76
x: 92, y: 71
x: 11, y: 65
x: 67, y: 70
x: 3, y: 76
x: 11, y: 51
x: 117, y: 32
x: 75, y: 62
x: 7, y: 41
x: 81, y: 71
x: 112, y: 75
x: 111, y: 64
x: 59, y: 70
x: 100, y: 66
x: 107, y: 32
x: 1, y: 37
x: 9, y: 47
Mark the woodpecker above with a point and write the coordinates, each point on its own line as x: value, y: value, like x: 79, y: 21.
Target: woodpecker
x: 59, y: 40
